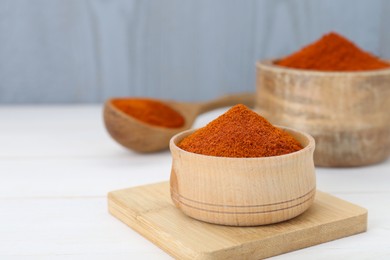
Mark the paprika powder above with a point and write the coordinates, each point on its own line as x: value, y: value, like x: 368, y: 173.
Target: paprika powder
x: 333, y: 52
x: 150, y: 111
x: 240, y: 132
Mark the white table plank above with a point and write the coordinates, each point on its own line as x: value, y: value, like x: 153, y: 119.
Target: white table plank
x: 66, y: 227
x: 96, y: 176
x: 57, y: 164
x: 80, y: 177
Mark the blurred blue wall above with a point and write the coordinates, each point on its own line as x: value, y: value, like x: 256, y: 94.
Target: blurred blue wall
x: 75, y: 51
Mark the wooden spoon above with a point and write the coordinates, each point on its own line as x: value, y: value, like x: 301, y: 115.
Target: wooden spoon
x: 142, y: 137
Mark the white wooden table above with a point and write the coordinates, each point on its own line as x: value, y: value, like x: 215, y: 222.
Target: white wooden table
x: 57, y: 164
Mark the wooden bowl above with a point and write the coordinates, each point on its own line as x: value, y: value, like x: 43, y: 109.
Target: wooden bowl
x: 348, y: 113
x: 243, y: 191
x: 135, y: 134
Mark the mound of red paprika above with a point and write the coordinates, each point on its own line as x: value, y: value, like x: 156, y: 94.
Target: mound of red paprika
x: 333, y: 52
x: 240, y: 132
x: 150, y: 111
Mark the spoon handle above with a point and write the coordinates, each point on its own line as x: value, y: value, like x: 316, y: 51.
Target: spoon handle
x: 246, y: 98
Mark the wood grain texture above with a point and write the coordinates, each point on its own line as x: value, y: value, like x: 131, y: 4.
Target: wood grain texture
x: 347, y: 113
x: 149, y: 211
x: 243, y: 191
x: 88, y: 51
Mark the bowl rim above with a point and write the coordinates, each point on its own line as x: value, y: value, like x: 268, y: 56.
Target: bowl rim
x: 307, y: 148
x: 269, y: 63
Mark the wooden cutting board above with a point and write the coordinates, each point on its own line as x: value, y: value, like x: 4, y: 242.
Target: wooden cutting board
x: 149, y: 211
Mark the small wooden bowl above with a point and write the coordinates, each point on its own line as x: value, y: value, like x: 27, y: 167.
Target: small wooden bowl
x: 243, y: 191
x: 348, y: 113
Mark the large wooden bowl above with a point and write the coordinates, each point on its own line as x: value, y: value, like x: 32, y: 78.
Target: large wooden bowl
x: 243, y: 191
x: 348, y: 113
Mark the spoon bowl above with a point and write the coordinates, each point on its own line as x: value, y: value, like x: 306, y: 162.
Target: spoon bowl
x: 145, y: 138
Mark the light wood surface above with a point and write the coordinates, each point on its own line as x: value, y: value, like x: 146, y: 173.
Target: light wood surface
x: 346, y: 112
x: 149, y: 211
x: 141, y: 137
x: 57, y: 164
x: 243, y: 191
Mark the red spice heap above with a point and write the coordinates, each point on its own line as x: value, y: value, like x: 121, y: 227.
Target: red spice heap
x: 150, y: 111
x: 333, y: 52
x: 240, y: 132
